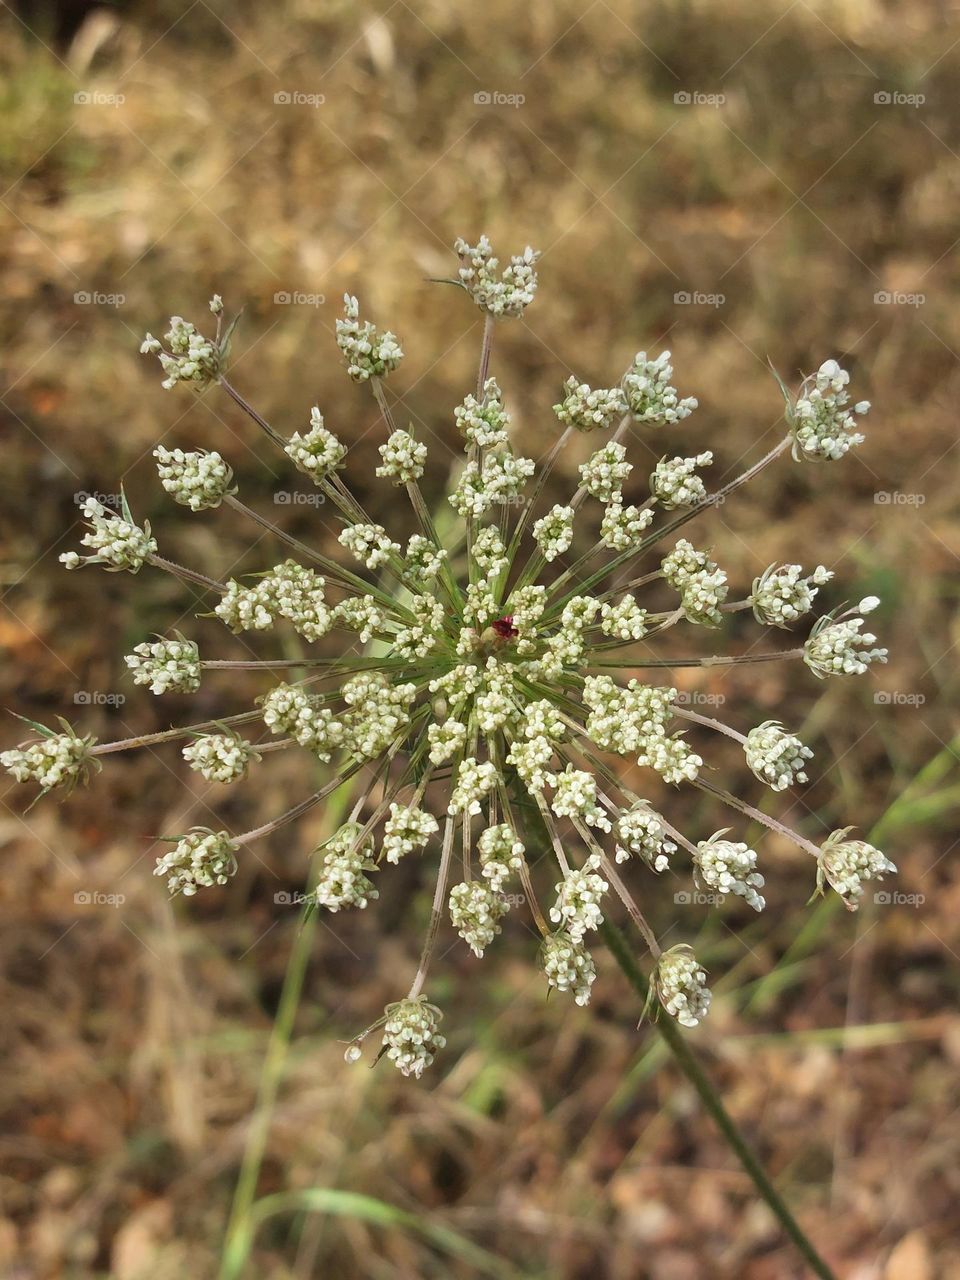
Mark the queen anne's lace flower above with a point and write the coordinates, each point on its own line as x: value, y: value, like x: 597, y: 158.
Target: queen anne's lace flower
x: 589, y: 410
x: 782, y: 594
x: 167, y: 666
x: 641, y: 833
x: 407, y: 828
x: 403, y: 458
x: 681, y: 986
x: 411, y: 1035
x: 579, y: 893
x: 318, y: 453
x: 196, y: 480
x: 775, y: 756
x: 604, y: 474
x: 116, y: 542
x: 484, y: 423
x: 823, y: 427
x: 488, y: 708
x: 368, y: 353
x: 845, y: 864
x: 554, y: 532
x: 567, y: 965
x: 501, y: 855
x: 220, y: 757
x: 200, y: 859
x: 475, y: 912
x: 728, y: 867
x: 622, y: 527
x: 505, y: 294
x: 838, y: 647
x: 342, y: 880
x: 53, y: 760
x: 649, y: 396
x: 675, y: 482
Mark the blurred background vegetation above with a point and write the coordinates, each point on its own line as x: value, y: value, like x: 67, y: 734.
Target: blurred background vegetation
x: 548, y: 1141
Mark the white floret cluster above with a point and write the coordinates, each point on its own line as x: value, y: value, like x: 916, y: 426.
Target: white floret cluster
x: 482, y: 725
x: 198, y: 480
x: 166, y: 666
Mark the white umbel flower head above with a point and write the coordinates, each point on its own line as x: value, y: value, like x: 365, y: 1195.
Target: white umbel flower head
x: 474, y: 781
x: 53, y: 760
x: 728, y: 866
x: 200, y: 859
x: 408, y: 827
x: 188, y: 357
x: 622, y: 527
x: 775, y: 756
x: 291, y: 711
x: 475, y: 912
x: 403, y: 458
x: 675, y: 483
x: 499, y: 294
x: 553, y: 533
x: 579, y: 893
x: 837, y: 645
x: 782, y: 594
x: 116, y: 542
x: 369, y: 543
x: 590, y: 410
x: 317, y: 454
x: 368, y: 352
x: 483, y: 423
x: 847, y: 864
x: 701, y: 582
x: 220, y: 757
x: 604, y: 474
x: 681, y: 986
x: 411, y: 1035
x: 197, y: 480
x: 641, y: 833
x: 568, y: 965
x: 342, y: 880
x: 501, y: 855
x: 649, y: 395
x: 167, y: 666
x: 823, y: 428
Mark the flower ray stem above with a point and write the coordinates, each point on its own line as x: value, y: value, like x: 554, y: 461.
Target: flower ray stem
x: 748, y: 810
x: 188, y: 575
x: 687, y: 1062
x: 436, y: 912
x: 248, y: 409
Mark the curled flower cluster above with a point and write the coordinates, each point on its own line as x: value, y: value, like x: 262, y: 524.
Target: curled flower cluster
x: 220, y: 757
x: 197, y: 480
x: 166, y: 666
x: 823, y: 427
x: 199, y: 859
x: 846, y: 864
x: 499, y: 691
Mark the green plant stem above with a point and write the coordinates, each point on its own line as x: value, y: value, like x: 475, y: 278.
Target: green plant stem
x: 237, y: 1238
x: 678, y: 1046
